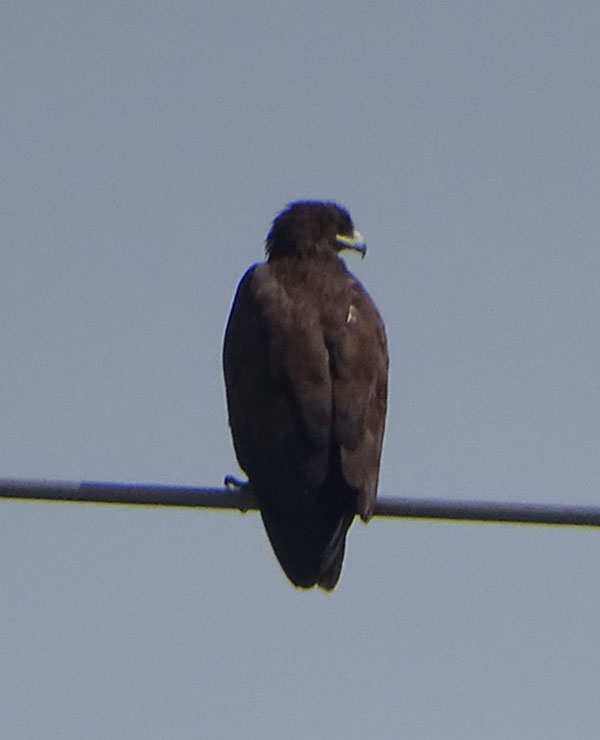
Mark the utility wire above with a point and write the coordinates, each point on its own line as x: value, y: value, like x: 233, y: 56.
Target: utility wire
x: 242, y: 499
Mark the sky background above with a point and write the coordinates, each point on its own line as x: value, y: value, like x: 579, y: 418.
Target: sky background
x: 145, y: 148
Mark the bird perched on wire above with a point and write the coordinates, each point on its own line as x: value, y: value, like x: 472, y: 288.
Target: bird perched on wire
x: 306, y: 363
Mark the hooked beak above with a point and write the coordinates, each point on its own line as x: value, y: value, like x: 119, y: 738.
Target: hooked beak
x: 355, y: 242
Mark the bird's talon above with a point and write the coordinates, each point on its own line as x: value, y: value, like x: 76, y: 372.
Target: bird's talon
x: 232, y: 482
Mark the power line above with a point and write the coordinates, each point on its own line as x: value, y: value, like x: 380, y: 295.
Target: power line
x: 129, y: 493
x: 242, y: 499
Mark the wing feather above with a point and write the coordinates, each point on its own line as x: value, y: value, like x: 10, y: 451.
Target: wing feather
x: 278, y: 386
x: 360, y: 371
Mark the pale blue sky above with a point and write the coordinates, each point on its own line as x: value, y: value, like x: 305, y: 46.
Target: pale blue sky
x: 145, y: 148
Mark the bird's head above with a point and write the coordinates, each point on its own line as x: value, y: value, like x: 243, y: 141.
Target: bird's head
x: 312, y: 229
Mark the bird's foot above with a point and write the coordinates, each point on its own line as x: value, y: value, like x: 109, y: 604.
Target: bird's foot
x: 232, y: 482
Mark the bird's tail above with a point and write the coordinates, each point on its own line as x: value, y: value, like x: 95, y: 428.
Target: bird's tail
x: 309, y: 544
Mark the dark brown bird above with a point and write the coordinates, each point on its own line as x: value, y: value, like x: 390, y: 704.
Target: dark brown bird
x: 306, y: 363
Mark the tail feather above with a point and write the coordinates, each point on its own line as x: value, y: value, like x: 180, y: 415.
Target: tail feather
x: 309, y: 544
x: 333, y: 556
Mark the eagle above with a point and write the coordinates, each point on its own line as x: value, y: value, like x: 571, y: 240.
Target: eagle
x: 305, y: 363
